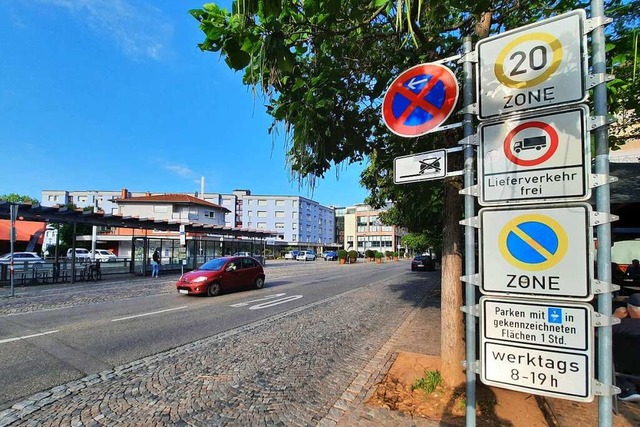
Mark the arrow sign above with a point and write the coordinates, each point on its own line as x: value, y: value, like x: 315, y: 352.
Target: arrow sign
x: 420, y: 100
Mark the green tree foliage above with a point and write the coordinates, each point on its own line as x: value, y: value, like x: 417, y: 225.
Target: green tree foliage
x: 322, y: 67
x: 18, y: 198
x: 417, y: 242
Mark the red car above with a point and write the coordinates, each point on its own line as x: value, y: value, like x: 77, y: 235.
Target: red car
x: 222, y: 274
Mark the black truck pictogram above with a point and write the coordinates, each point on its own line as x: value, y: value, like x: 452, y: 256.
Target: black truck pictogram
x: 537, y: 142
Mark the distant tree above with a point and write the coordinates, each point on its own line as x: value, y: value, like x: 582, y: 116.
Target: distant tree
x: 18, y: 198
x: 417, y: 242
x: 66, y: 230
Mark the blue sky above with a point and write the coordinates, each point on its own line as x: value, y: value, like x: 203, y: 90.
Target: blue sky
x: 111, y: 94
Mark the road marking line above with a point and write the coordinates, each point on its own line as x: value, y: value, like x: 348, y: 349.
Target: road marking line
x: 26, y: 336
x: 275, y: 302
x: 242, y: 304
x: 149, y: 314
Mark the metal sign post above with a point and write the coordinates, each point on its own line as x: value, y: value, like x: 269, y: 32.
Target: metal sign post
x: 13, y: 213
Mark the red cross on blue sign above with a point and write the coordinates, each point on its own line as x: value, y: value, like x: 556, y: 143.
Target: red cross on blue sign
x: 420, y: 100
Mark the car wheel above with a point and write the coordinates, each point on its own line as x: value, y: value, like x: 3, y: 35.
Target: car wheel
x: 214, y: 289
x: 259, y: 283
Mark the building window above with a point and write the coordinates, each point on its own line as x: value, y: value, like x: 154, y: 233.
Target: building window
x: 250, y: 213
x: 82, y: 199
x: 387, y: 228
x: 262, y: 202
x: 279, y: 214
x: 51, y: 198
x: 249, y: 225
x: 362, y: 228
x: 279, y: 225
x: 294, y: 203
x: 279, y: 202
x: 262, y: 226
x: 209, y: 214
x: 262, y: 214
x: 294, y: 226
x: 294, y: 215
x: 373, y: 228
x: 294, y: 237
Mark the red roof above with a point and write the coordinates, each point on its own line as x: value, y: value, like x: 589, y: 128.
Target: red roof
x: 24, y: 230
x: 171, y: 198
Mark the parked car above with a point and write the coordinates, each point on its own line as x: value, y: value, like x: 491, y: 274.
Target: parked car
x: 422, y: 262
x: 222, y: 274
x: 330, y: 255
x: 103, y: 255
x: 291, y: 255
x: 82, y: 254
x: 19, y: 258
x: 306, y: 256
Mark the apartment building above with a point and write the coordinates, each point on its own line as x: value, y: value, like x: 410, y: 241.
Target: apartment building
x: 299, y: 221
x: 362, y: 229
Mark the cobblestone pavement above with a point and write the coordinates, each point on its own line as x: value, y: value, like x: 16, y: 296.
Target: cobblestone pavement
x: 47, y: 297
x: 311, y: 365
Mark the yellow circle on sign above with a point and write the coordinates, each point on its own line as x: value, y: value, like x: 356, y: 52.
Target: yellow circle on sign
x: 551, y: 259
x: 553, y: 42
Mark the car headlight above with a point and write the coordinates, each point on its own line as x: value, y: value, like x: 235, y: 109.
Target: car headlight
x: 200, y: 279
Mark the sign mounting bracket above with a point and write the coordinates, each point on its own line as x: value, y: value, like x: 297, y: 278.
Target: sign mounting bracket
x: 469, y: 109
x: 598, y: 179
x: 474, y: 310
x: 470, y: 191
x: 599, y: 218
x: 600, y: 287
x: 474, y: 279
x: 470, y: 140
x: 475, y: 366
x: 595, y: 22
x: 598, y: 78
x: 600, y: 319
x: 471, y: 222
x: 600, y: 389
x: 594, y: 122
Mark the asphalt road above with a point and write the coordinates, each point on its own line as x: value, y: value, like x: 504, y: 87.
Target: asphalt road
x: 66, y: 333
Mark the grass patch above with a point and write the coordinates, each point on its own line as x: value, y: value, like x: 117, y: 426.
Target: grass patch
x: 429, y: 382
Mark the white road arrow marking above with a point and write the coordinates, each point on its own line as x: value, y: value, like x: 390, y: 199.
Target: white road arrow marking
x: 275, y: 302
x: 244, y: 304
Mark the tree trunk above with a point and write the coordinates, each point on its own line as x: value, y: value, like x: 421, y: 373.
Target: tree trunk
x: 452, y: 350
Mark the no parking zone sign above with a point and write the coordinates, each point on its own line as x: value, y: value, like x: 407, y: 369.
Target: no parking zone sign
x: 420, y: 100
x: 538, y: 159
x: 541, y: 252
x: 537, y: 65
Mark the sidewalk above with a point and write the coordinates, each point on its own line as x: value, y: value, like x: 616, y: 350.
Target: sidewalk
x: 420, y: 333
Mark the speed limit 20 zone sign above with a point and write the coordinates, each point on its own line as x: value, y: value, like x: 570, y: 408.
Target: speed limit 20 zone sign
x: 538, y: 65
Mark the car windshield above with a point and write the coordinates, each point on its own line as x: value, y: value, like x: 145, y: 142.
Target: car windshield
x: 213, y: 265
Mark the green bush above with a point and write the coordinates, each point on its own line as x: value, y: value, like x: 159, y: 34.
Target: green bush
x: 353, y: 255
x: 342, y: 254
x: 429, y: 382
x: 378, y: 255
x: 395, y: 254
x: 388, y: 254
x: 369, y: 253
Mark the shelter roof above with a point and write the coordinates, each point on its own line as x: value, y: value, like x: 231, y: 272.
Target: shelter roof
x: 62, y: 214
x: 170, y: 198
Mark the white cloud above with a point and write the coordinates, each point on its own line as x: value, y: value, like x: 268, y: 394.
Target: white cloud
x: 180, y: 170
x: 140, y: 30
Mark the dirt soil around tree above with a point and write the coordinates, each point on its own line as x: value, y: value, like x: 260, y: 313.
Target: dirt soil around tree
x: 416, y: 347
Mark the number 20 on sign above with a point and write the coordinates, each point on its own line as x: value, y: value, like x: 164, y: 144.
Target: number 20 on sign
x: 534, y: 66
